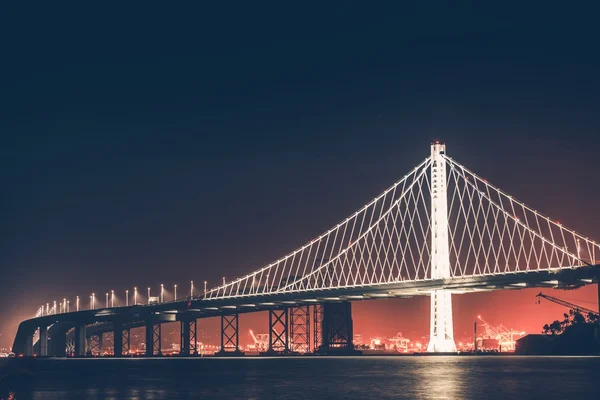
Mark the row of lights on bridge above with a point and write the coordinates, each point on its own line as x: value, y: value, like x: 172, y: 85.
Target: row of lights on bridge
x: 65, y: 306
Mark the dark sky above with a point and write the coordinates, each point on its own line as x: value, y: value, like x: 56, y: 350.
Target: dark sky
x: 143, y: 145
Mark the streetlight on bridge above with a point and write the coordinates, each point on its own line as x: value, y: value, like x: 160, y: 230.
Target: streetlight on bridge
x: 68, y: 305
x: 77, y: 303
x: 112, y: 298
x: 162, y: 292
x: 54, y: 308
x: 148, y: 295
x: 93, y: 301
x: 205, y: 287
x: 175, y: 296
x: 135, y: 296
x: 106, y: 300
x: 127, y: 298
x: 191, y: 289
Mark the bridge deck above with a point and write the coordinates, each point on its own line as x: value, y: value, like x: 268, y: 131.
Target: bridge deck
x: 135, y: 316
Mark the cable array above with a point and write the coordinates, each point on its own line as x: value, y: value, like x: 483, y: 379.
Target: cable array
x: 389, y: 240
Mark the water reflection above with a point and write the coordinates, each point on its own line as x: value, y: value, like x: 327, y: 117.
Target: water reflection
x: 307, y: 378
x: 441, y: 378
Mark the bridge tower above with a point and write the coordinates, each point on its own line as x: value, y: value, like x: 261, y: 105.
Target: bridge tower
x: 441, y: 337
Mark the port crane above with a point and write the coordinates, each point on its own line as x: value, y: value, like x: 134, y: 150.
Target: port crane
x: 506, y: 337
x: 574, y: 307
x: 261, y: 340
x: 400, y: 342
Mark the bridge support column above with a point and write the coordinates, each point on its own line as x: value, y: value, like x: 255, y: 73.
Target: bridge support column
x: 188, y: 337
x: 80, y: 340
x: 153, y: 338
x: 58, y: 342
x: 230, y: 342
x: 117, y: 339
x: 43, y: 341
x: 184, y: 340
x: 126, y: 341
x: 94, y: 344
x: 28, y: 345
x: 278, y: 332
x: 193, y: 336
x: 336, y: 329
x: 598, y: 329
x: 300, y: 329
x: 441, y: 337
x: 317, y: 327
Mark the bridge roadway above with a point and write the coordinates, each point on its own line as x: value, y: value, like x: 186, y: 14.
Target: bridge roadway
x: 151, y: 315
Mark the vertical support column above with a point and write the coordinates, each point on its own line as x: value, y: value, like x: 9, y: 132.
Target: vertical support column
x: 29, y: 345
x: 278, y: 332
x: 70, y: 344
x: 336, y: 329
x: 441, y: 336
x: 184, y: 342
x: 149, y: 338
x: 79, y: 338
x: 300, y: 329
x: 153, y: 338
x: 598, y: 329
x: 230, y: 342
x: 117, y: 338
x: 157, y: 339
x: 126, y: 341
x: 100, y: 343
x: 58, y: 343
x: 43, y: 341
x: 193, y: 325
x: 318, y: 327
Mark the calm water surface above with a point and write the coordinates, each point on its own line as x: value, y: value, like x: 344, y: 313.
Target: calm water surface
x: 308, y: 378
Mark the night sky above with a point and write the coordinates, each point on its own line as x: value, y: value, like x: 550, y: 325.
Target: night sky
x: 150, y: 145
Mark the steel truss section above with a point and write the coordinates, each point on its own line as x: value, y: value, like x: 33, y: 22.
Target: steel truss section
x: 69, y: 345
x: 230, y: 343
x: 156, y: 340
x: 126, y: 338
x: 278, y: 331
x: 94, y: 344
x: 193, y: 328
x: 337, y: 329
x: 188, y: 337
x: 300, y: 329
x: 317, y: 327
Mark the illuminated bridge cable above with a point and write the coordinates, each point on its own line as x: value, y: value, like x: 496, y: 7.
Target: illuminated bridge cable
x: 346, y: 255
x: 388, y: 240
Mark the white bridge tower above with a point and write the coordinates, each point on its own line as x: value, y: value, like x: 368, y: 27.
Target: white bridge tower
x: 441, y: 336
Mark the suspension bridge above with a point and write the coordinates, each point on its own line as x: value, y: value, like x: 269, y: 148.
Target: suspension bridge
x: 439, y: 231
